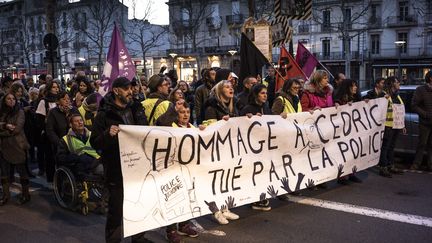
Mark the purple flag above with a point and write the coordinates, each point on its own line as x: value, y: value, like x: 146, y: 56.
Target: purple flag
x: 305, y: 60
x: 118, y: 63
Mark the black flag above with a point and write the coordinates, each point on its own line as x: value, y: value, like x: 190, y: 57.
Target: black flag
x: 251, y: 59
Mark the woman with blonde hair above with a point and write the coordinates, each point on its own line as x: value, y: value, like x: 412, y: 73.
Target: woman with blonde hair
x: 221, y: 105
x: 317, y: 92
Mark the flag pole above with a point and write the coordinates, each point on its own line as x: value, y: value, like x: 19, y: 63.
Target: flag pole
x: 325, y: 69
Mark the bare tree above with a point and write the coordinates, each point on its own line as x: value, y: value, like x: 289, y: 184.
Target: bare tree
x: 147, y: 36
x: 144, y: 34
x: 102, y: 14
x: 348, y: 24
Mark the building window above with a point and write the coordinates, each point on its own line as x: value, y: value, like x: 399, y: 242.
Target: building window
x: 347, y: 18
x: 375, y: 44
x: 403, y: 11
x: 326, y: 48
x: 235, y: 7
x: 403, y: 36
x: 326, y: 21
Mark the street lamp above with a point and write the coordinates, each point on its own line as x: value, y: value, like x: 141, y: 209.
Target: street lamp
x: 399, y: 44
x: 173, y: 55
x: 232, y: 52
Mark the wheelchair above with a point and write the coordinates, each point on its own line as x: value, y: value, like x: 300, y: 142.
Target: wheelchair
x: 75, y: 191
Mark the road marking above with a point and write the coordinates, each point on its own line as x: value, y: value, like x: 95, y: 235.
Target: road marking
x: 371, y: 212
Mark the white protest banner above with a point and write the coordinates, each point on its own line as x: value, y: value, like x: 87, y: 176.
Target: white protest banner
x: 174, y: 174
x: 398, y: 116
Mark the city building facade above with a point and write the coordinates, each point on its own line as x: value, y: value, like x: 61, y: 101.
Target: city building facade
x: 83, y: 29
x: 383, y: 37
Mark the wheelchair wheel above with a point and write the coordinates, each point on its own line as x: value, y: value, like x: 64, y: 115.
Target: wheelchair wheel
x: 65, y: 188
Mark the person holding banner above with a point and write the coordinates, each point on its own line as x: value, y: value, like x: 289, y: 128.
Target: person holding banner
x: 288, y: 100
x: 317, y: 92
x: 117, y: 107
x: 221, y: 105
x: 347, y: 93
x: 377, y: 91
x: 393, y: 127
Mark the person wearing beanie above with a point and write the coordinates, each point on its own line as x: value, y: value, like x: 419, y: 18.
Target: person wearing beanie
x: 157, y: 102
x: 202, y: 93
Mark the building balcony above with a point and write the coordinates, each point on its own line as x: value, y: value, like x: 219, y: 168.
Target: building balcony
x: 214, y: 23
x: 181, y: 24
x: 401, y: 21
x: 411, y: 53
x: 235, y: 19
x: 304, y: 29
x: 219, y: 50
x: 334, y: 56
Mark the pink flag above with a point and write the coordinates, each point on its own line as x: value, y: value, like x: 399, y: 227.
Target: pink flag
x: 118, y: 63
x: 305, y: 59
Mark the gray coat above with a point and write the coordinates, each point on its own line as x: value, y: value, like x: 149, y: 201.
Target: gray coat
x: 13, y: 144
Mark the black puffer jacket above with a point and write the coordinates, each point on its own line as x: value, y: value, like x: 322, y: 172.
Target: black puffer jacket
x: 57, y: 125
x: 110, y: 114
x: 215, y: 110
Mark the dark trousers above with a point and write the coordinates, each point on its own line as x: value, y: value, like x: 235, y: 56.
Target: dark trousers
x: 424, y: 143
x: 6, y: 167
x: 113, y: 226
x: 387, y: 147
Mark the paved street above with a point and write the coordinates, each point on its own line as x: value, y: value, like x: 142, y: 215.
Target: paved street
x: 378, y: 210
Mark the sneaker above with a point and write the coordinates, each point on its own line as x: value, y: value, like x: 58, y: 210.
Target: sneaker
x: 229, y: 215
x: 188, y: 230
x: 384, y: 172
x: 220, y: 218
x: 262, y: 205
x: 173, y: 237
x: 354, y: 178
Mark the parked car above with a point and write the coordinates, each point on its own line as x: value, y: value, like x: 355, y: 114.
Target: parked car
x: 407, y: 144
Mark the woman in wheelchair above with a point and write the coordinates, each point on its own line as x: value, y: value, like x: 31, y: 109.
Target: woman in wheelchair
x: 75, y: 152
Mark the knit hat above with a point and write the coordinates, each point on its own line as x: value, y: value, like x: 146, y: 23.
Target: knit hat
x: 222, y: 74
x: 121, y: 82
x: 154, y: 82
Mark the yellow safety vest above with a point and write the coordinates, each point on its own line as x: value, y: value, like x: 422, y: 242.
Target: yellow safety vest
x: 389, y: 116
x: 82, y: 111
x: 264, y: 82
x: 148, y: 105
x: 288, y: 108
x: 77, y: 146
x: 175, y: 125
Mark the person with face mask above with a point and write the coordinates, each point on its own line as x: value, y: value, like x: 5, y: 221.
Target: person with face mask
x: 117, y: 107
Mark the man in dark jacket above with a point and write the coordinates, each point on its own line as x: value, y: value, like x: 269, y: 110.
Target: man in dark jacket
x: 243, y: 97
x: 377, y: 91
x: 202, y: 93
x: 422, y: 104
x: 117, y: 107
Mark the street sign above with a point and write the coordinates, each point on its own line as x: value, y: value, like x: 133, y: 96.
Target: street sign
x: 50, y: 41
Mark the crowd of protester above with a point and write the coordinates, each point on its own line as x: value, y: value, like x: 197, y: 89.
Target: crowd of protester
x: 48, y: 121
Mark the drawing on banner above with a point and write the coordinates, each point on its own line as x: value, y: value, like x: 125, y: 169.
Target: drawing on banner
x: 173, y: 191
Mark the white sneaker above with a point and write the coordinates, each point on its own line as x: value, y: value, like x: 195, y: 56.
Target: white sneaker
x: 229, y: 215
x: 220, y: 218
